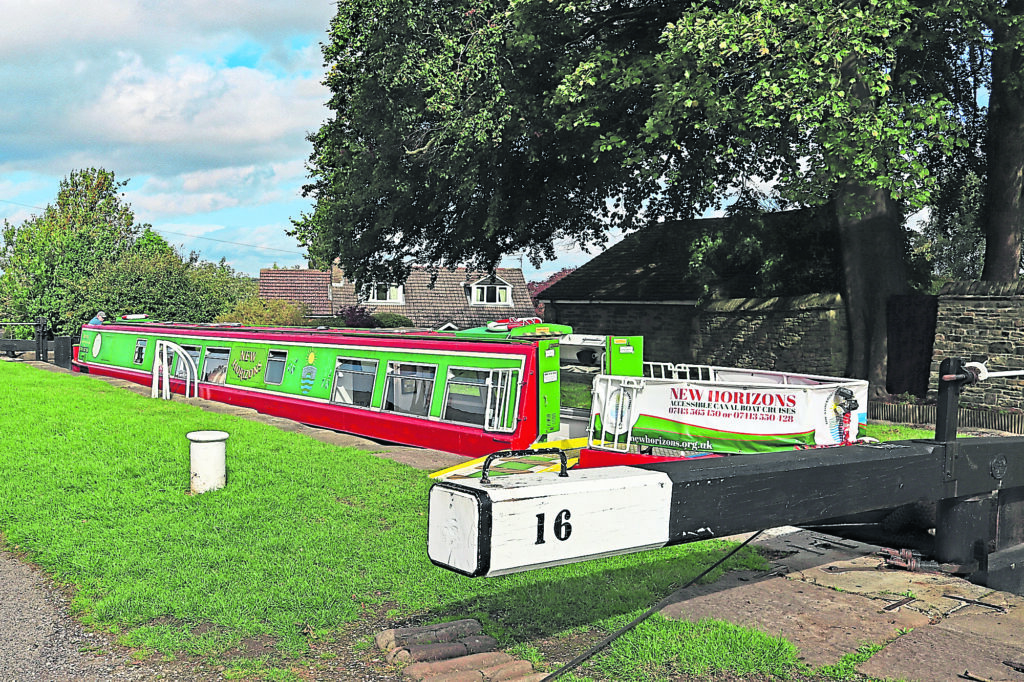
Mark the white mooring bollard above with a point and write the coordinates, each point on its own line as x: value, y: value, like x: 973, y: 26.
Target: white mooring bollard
x: 207, y: 457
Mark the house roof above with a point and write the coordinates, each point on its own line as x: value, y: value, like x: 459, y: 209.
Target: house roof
x: 447, y: 302
x: 310, y: 287
x: 647, y: 265
x: 652, y: 264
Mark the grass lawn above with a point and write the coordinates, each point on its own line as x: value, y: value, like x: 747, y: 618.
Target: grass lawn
x: 305, y: 540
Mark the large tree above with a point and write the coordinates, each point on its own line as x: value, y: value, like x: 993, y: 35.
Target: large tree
x: 468, y: 130
x: 45, y: 257
x: 86, y: 252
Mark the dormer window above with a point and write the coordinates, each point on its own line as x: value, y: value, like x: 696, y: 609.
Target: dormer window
x: 385, y: 293
x: 491, y: 291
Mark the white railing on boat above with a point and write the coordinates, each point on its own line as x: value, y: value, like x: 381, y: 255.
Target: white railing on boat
x: 668, y: 370
x: 161, y: 385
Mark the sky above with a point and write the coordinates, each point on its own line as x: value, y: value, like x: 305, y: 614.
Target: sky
x: 204, y: 107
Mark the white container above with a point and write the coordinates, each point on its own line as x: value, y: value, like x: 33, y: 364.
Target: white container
x: 208, y: 460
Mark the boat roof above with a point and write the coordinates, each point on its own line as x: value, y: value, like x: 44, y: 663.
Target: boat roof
x: 529, y: 332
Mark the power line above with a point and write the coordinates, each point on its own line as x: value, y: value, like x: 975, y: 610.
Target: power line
x: 183, y: 234
x: 225, y: 241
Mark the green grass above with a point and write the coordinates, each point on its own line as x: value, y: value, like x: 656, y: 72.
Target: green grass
x: 659, y: 649
x: 574, y: 394
x: 305, y: 536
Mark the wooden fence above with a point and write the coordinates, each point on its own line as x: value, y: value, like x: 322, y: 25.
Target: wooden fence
x: 967, y: 417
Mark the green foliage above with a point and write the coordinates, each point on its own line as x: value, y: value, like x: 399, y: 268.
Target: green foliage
x: 386, y: 319
x: 163, y: 286
x: 952, y: 239
x: 471, y: 130
x: 351, y: 316
x: 86, y: 253
x: 46, y: 258
x: 255, y: 311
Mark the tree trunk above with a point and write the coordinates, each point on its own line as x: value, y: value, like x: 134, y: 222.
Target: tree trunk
x: 873, y: 270
x: 1004, y: 211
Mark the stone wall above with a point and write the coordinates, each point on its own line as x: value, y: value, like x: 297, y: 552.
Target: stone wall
x: 667, y: 328
x: 983, y: 322
x: 805, y: 334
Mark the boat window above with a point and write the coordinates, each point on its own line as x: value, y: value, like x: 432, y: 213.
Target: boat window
x: 409, y: 387
x: 481, y: 397
x: 465, y: 399
x: 182, y: 368
x: 503, y: 398
x: 275, y: 366
x: 215, y: 370
x: 353, y: 381
x: 140, y: 351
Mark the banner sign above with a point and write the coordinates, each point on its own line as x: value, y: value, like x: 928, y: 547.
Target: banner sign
x: 723, y: 417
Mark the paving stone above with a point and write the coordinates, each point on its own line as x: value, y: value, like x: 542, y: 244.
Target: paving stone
x: 506, y: 672
x: 937, y: 654
x: 822, y: 623
x: 420, y: 671
x: 463, y: 676
x: 479, y: 643
x: 427, y: 652
x: 427, y: 634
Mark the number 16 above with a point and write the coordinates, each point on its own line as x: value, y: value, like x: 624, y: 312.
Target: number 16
x: 562, y: 527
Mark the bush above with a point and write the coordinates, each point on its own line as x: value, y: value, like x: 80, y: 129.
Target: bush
x: 259, y: 312
x: 350, y: 316
x: 386, y: 319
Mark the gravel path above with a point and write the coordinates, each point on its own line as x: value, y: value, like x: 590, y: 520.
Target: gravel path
x: 39, y: 640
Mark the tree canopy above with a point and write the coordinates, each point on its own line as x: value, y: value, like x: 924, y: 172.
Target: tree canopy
x: 86, y: 253
x: 465, y: 131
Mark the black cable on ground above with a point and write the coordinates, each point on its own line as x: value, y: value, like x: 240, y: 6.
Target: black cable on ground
x: 576, y: 662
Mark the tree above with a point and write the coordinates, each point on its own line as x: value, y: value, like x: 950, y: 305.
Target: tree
x: 1004, y: 198
x: 465, y: 131
x: 86, y: 253
x: 45, y: 257
x: 164, y: 286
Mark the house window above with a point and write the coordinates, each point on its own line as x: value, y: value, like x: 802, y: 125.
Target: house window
x: 215, y: 370
x: 353, y: 381
x: 182, y: 368
x: 409, y: 387
x: 140, y: 351
x: 491, y: 291
x: 275, y: 367
x: 385, y: 293
x: 481, y: 397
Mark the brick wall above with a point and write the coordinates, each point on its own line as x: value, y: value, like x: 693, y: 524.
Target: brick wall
x: 983, y: 322
x: 801, y: 334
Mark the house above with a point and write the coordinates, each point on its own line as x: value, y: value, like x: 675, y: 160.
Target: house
x: 310, y: 287
x: 721, y: 306
x: 458, y: 299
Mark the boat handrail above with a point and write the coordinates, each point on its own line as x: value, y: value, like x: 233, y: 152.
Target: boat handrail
x: 162, y: 379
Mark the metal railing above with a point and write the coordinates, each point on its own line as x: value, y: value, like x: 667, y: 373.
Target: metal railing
x: 39, y: 344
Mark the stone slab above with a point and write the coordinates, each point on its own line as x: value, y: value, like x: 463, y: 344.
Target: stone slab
x: 936, y: 654
x: 823, y: 624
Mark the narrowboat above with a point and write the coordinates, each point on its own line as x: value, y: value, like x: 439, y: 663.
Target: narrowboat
x: 478, y: 391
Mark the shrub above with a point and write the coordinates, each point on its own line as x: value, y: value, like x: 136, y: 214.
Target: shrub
x: 256, y: 311
x: 350, y: 316
x: 386, y: 319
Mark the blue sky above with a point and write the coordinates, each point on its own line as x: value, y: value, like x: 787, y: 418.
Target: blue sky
x: 203, y: 106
